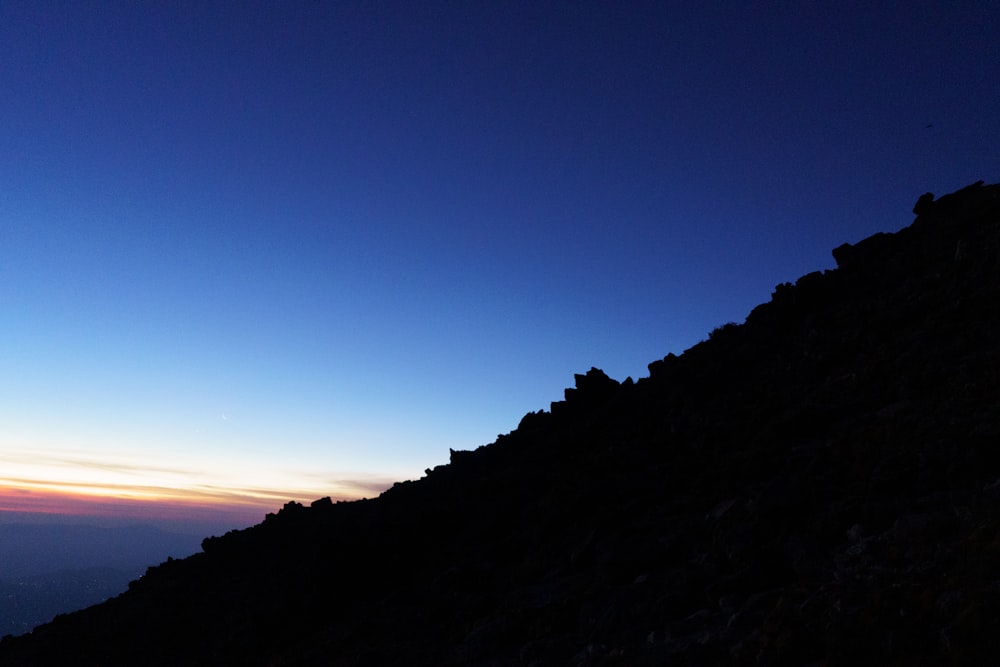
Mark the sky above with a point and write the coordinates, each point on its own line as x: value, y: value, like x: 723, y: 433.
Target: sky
x: 256, y: 252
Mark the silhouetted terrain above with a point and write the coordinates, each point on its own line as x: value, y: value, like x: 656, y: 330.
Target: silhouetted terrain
x: 820, y: 484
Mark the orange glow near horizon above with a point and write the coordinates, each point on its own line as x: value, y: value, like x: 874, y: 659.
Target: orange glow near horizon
x: 122, y: 486
x: 60, y: 501
x: 55, y: 497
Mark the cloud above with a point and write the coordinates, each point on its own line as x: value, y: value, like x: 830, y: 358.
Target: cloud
x: 110, y: 462
x: 355, y: 484
x: 117, y: 483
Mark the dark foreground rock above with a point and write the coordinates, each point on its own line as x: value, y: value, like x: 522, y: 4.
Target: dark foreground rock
x: 819, y: 485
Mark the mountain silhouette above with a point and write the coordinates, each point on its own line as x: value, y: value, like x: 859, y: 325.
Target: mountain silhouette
x: 817, y: 485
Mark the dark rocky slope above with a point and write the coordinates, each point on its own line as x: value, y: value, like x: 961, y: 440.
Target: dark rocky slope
x: 819, y: 485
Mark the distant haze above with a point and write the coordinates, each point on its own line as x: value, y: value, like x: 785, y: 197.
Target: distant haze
x: 49, y: 568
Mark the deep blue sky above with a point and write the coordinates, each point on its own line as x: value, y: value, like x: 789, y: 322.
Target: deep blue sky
x: 289, y: 245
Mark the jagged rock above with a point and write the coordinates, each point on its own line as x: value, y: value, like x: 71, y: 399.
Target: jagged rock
x: 925, y: 204
x: 595, y: 386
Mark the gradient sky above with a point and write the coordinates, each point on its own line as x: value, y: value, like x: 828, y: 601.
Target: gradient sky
x: 253, y: 252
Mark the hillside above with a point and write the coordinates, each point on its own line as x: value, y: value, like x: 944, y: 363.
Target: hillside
x: 820, y: 484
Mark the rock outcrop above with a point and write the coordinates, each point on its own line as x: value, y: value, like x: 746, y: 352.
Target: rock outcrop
x: 817, y: 485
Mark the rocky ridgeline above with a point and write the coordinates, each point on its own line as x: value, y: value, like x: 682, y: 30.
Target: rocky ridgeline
x: 819, y: 485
